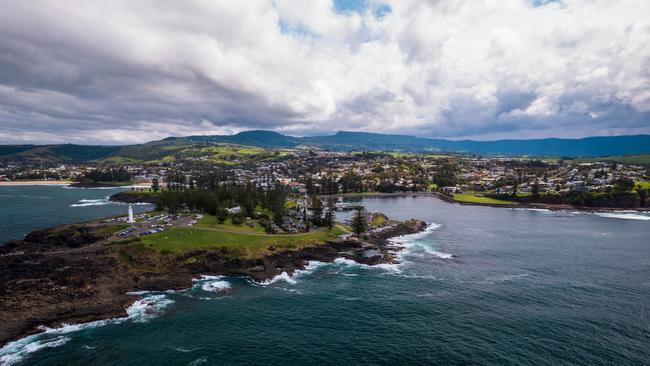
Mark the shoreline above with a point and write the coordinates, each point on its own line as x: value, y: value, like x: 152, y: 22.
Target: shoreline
x: 15, y: 183
x: 546, y: 206
x: 94, y: 285
x: 68, y: 183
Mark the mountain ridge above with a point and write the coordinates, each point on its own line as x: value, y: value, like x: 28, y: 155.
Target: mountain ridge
x: 341, y: 141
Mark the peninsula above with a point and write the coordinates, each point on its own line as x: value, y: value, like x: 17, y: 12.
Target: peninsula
x: 89, y: 271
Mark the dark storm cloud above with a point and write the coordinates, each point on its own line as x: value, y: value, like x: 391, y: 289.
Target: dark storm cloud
x: 123, y: 72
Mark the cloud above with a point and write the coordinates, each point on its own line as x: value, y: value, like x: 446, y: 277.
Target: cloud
x: 125, y: 71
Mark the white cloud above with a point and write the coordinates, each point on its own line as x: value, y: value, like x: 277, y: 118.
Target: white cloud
x: 102, y: 71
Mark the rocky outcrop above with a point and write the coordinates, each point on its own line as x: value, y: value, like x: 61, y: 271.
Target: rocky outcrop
x: 133, y: 197
x: 67, y: 235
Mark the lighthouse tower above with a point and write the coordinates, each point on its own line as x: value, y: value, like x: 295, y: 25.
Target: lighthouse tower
x: 130, y: 220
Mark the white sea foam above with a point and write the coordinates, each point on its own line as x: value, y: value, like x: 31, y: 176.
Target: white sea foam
x: 206, y: 278
x: 85, y: 202
x: 148, y: 308
x: 414, y: 242
x: 212, y: 283
x: 140, y: 311
x: 138, y: 292
x: 624, y: 215
x: 439, y: 254
x: 183, y: 349
x: 284, y: 276
x: 346, y: 262
x: 410, y: 237
x: 216, y: 286
x: 309, y: 268
x: 91, y: 202
x: 392, y: 267
x: 16, y: 351
x: 531, y: 209
x: 199, y: 361
x: 292, y: 279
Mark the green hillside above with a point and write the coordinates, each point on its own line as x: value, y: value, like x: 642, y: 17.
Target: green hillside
x: 163, y: 151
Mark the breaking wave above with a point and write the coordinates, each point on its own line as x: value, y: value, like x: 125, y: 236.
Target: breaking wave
x: 147, y: 308
x: 391, y: 267
x: 91, y: 202
x: 625, y: 215
x: 292, y: 279
x: 284, y: 276
x: 16, y: 351
x: 414, y: 243
x: 140, y: 311
x: 216, y: 286
x: 309, y: 268
x: 104, y: 201
x: 212, y: 284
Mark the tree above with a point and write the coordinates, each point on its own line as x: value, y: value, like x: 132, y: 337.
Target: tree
x: 221, y: 214
x: 535, y: 192
x: 642, y: 196
x: 623, y: 184
x: 305, y: 221
x: 155, y: 184
x: 317, y: 211
x: 359, y: 222
x: 237, y: 219
x: 329, y: 219
x: 277, y: 218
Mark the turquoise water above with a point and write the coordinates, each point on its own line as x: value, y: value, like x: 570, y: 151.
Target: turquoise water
x: 27, y: 208
x: 482, y: 286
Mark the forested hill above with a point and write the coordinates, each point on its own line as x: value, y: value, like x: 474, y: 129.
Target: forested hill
x: 260, y: 143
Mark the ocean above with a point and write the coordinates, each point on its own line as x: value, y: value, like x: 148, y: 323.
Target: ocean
x: 27, y: 208
x: 481, y: 286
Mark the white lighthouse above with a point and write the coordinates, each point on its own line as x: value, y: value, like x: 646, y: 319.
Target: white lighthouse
x: 130, y: 220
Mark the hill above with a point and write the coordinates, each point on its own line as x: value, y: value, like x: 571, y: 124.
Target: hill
x: 258, y: 144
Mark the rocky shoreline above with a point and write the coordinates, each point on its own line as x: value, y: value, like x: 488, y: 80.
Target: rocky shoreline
x: 49, y: 280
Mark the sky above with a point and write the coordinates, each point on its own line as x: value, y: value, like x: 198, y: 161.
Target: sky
x: 123, y: 71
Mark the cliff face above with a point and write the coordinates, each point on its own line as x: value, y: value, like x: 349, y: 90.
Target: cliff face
x: 71, y: 275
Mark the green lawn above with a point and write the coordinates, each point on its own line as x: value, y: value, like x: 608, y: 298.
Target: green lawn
x: 643, y: 184
x: 110, y: 229
x: 238, y: 244
x: 479, y: 199
x: 210, y: 221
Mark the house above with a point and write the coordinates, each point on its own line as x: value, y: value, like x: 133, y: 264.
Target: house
x: 234, y: 210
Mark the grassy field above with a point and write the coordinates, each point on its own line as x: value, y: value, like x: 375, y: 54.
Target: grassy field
x: 479, y: 199
x: 210, y: 221
x: 238, y: 244
x: 221, y: 153
x: 643, y: 184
